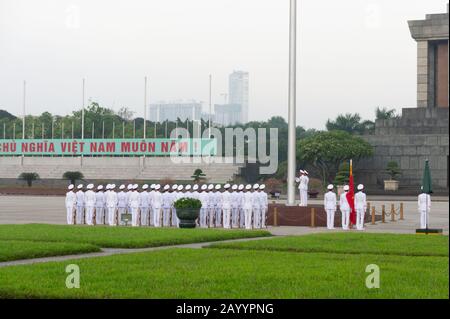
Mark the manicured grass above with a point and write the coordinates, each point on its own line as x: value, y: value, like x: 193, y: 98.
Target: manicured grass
x: 120, y: 237
x: 14, y: 250
x: 230, y: 273
x: 351, y: 243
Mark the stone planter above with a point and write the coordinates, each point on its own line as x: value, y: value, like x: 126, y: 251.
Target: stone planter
x: 187, y: 217
x: 390, y: 185
x: 313, y: 193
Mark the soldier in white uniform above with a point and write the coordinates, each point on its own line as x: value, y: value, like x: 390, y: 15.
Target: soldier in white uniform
x: 195, y: 192
x: 156, y: 205
x: 151, y: 195
x: 218, y: 205
x: 112, y: 201
x: 71, y: 201
x: 303, y: 188
x: 234, y: 206
x: 264, y: 204
x: 211, y: 208
x: 128, y: 193
x: 166, y: 204
x: 144, y: 205
x: 424, y: 206
x: 122, y: 203
x: 345, y: 208
x: 241, y: 218
x: 256, y: 210
x: 329, y: 203
x: 360, y: 207
x: 99, y: 206
x: 176, y: 195
x: 248, y: 206
x: 203, y: 196
x: 133, y: 203
x: 89, y: 202
x: 80, y: 205
x: 226, y: 206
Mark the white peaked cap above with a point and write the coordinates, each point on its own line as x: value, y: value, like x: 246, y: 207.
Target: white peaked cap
x: 346, y: 188
x: 152, y: 186
x: 195, y: 187
x: 166, y: 187
x: 135, y: 186
x: 188, y: 187
x: 241, y: 187
x: 112, y: 186
x: 180, y: 187
x: 256, y: 186
x: 80, y: 186
x: 330, y: 186
x: 234, y: 187
x: 130, y: 186
x: 360, y: 187
x: 262, y: 186
x: 90, y: 186
x: 175, y: 187
x: 218, y: 186
x: 248, y: 186
x: 122, y: 186
x: 145, y: 186
x: 157, y: 186
x: 204, y: 187
x: 302, y: 171
x: 306, y: 172
x: 70, y: 186
x: 226, y: 186
x: 100, y: 187
x: 210, y: 186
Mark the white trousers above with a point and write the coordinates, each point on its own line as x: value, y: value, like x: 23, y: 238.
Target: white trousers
x: 248, y: 218
x: 144, y: 216
x: 303, y: 197
x: 360, y: 218
x: 99, y: 215
x: 111, y: 218
x: 69, y: 210
x: 80, y: 215
x: 134, y: 216
x: 211, y: 217
x: 175, y: 221
x: 263, y: 217
x: 345, y: 218
x: 241, y: 218
x: 157, y: 216
x: 218, y: 218
x: 256, y: 217
x: 234, y: 217
x: 166, y: 216
x: 226, y: 217
x: 330, y: 218
x: 423, y: 219
x: 203, y: 217
x: 120, y: 211
x: 150, y: 216
x: 90, y: 215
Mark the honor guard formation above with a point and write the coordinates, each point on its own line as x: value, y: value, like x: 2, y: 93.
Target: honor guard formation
x: 227, y: 206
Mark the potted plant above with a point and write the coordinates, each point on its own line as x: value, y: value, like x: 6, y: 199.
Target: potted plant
x: 188, y: 210
x: 393, y: 170
x: 314, y: 187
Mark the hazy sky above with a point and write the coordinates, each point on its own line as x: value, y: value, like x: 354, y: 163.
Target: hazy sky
x: 353, y: 55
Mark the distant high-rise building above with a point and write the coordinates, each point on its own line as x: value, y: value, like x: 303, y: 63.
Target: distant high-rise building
x: 228, y: 114
x: 238, y: 93
x: 161, y: 112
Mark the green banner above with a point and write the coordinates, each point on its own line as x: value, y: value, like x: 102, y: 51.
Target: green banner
x: 75, y: 147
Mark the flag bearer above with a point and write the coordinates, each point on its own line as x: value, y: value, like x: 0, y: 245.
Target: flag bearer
x: 345, y: 208
x: 226, y: 206
x: 248, y: 206
x: 264, y: 204
x: 424, y: 206
x: 80, y: 205
x: 156, y: 205
x: 112, y: 201
x: 203, y: 196
x: 71, y: 201
x: 329, y: 203
x: 360, y: 207
x: 144, y: 205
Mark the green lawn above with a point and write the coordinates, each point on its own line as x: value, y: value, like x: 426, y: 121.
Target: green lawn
x: 230, y: 273
x: 120, y: 237
x: 13, y: 249
x: 351, y: 243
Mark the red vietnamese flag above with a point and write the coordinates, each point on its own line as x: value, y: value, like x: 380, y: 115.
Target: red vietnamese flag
x: 351, y: 196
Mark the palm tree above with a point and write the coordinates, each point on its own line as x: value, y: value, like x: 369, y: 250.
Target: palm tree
x: 29, y: 177
x: 348, y: 122
x: 385, y: 114
x: 73, y: 176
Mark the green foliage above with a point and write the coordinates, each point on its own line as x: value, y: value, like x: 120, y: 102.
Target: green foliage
x: 186, y: 202
x: 327, y: 150
x: 198, y: 175
x: 348, y: 122
x: 393, y: 169
x: 73, y: 176
x: 342, y: 175
x: 385, y: 113
x: 29, y: 177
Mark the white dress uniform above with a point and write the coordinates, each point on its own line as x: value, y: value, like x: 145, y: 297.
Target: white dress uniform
x: 80, y: 207
x: 156, y: 205
x: 211, y: 210
x: 247, y: 207
x: 100, y: 207
x: 218, y: 208
x: 166, y: 205
x: 235, y: 203
x: 329, y: 204
x: 345, y: 210
x: 89, y: 201
x: 303, y: 188
x: 112, y: 202
x: 241, y: 218
x: 144, y: 206
x: 424, y: 206
x: 204, y: 198
x: 122, y: 204
x: 360, y: 207
x: 133, y: 203
x: 151, y: 195
x: 264, y: 205
x: 71, y: 201
x: 226, y: 207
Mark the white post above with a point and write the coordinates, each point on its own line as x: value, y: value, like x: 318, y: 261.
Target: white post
x: 82, y: 113
x: 210, y: 106
x: 24, y: 99
x: 145, y: 107
x: 292, y: 105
